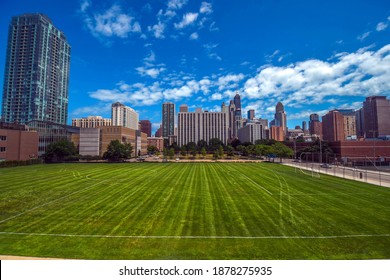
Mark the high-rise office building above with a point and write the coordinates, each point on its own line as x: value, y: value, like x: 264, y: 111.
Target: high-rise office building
x: 359, y: 116
x: 376, y: 116
x: 237, y: 101
x: 231, y: 118
x: 168, y: 119
x: 349, y: 123
x: 333, y: 126
x: 122, y: 115
x: 251, y: 114
x: 304, y: 126
x: 146, y: 127
x: 36, y: 73
x: 315, y: 126
x: 251, y: 132
x: 199, y: 125
x: 281, y: 117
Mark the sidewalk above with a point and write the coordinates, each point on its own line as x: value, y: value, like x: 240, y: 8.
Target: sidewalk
x: 367, y: 176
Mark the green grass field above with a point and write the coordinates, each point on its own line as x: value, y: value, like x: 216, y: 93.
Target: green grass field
x: 189, y: 211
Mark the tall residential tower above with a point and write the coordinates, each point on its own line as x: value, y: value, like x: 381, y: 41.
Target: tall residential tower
x: 36, y: 72
x: 122, y: 115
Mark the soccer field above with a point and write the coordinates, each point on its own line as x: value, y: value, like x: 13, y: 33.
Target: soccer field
x: 189, y: 211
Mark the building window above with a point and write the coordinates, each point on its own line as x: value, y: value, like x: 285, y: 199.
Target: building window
x: 2, y: 149
x: 3, y: 138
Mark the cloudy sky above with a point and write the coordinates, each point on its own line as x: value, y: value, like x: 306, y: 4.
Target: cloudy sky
x: 313, y: 56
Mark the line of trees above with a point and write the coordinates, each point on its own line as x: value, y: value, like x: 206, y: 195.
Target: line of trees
x: 261, y: 148
x: 65, y: 150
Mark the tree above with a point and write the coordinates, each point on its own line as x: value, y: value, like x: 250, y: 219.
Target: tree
x: 152, y: 149
x: 220, y: 152
x: 193, y: 152
x: 251, y: 150
x: 116, y: 151
x: 214, y: 144
x: 60, y: 151
x: 202, y: 144
x: 235, y: 143
x: 191, y: 146
x: 282, y: 151
x: 229, y: 151
x: 171, y: 153
x: 183, y: 150
x: 265, y: 142
x: 203, y: 152
x: 242, y: 149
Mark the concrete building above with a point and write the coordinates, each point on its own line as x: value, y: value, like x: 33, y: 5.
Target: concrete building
x: 89, y: 142
x: 251, y: 132
x: 101, y: 137
x: 349, y: 123
x: 146, y: 127
x: 168, y: 119
x: 350, y: 126
x: 294, y: 133
x: 183, y: 108
x: 122, y: 115
x: 158, y: 132
x: 359, y: 116
x: 199, y: 125
x: 333, y: 126
x: 277, y: 133
x: 50, y: 132
x: 91, y: 122
x: 17, y: 142
x: 376, y: 116
x: 36, y: 74
x: 158, y: 142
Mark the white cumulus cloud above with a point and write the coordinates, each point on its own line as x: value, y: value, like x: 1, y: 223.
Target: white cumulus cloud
x: 111, y: 23
x: 206, y: 8
x: 188, y: 19
x: 362, y: 73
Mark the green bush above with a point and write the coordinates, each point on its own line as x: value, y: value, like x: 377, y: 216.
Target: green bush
x: 15, y: 163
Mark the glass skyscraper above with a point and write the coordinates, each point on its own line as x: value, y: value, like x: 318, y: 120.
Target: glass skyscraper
x: 168, y: 119
x: 36, y: 75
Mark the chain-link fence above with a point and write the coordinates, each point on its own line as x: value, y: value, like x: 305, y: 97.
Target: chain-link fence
x: 378, y: 175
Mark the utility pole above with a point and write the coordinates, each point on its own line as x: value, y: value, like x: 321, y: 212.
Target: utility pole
x: 320, y: 151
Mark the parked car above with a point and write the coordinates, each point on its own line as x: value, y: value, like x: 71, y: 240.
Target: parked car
x: 325, y: 165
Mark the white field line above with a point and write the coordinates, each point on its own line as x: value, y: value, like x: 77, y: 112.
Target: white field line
x: 256, y: 184
x: 50, y: 202
x: 194, y: 237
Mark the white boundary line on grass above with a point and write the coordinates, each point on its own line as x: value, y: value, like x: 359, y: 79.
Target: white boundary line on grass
x: 193, y: 237
x: 256, y: 184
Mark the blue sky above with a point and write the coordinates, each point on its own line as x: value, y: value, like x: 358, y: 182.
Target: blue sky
x: 313, y: 56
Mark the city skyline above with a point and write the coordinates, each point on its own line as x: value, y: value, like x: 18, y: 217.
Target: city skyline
x: 200, y: 53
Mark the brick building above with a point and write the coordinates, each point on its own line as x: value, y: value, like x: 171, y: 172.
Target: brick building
x: 17, y: 142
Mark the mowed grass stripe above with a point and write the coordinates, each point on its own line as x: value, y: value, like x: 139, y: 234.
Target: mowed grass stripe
x: 59, y: 203
x: 191, y: 210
